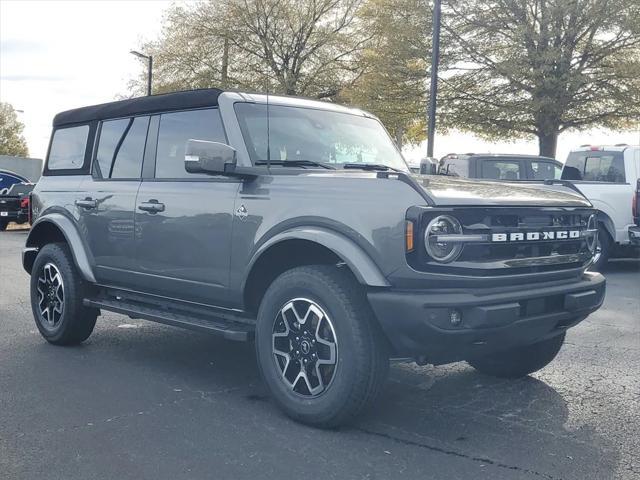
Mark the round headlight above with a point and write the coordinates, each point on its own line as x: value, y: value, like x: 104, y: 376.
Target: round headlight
x: 435, y: 239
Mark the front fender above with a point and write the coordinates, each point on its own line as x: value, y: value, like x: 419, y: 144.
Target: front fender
x: 360, y: 263
x: 41, y: 233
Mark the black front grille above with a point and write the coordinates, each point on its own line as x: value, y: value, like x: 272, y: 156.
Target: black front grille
x: 495, y: 258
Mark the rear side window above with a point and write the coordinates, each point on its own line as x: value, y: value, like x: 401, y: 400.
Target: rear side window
x: 545, y: 170
x: 175, y: 129
x: 501, y: 170
x: 68, y: 147
x: 121, y: 148
x: 595, y: 167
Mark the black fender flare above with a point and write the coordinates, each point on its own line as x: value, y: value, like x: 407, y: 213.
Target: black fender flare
x: 82, y: 258
x: 354, y: 256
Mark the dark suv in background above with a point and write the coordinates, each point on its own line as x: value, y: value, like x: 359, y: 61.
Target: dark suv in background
x: 298, y: 223
x: 500, y: 166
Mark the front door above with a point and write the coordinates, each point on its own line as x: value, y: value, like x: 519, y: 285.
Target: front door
x: 183, y: 221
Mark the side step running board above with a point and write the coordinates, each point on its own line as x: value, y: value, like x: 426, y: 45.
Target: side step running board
x: 225, y: 328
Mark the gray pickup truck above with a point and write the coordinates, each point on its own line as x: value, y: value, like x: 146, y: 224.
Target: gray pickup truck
x: 297, y: 224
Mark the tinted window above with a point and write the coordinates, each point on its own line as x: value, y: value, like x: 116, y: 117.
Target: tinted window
x: 121, y: 148
x: 501, y: 170
x: 68, y: 147
x: 545, y: 170
x: 175, y: 130
x: 110, y: 134
x: 595, y: 167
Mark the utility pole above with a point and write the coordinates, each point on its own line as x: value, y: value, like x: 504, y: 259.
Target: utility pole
x: 149, y: 59
x: 433, y: 91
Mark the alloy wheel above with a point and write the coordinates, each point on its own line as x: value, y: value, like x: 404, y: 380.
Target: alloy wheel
x: 50, y: 295
x: 305, y: 347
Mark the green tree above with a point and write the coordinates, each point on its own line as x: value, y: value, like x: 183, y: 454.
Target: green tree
x: 541, y: 67
x: 394, y: 65
x: 11, y: 140
x: 293, y: 47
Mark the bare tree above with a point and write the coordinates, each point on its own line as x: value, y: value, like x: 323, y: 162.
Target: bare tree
x: 292, y: 47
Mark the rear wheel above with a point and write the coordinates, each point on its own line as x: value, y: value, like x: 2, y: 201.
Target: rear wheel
x: 320, y: 353
x: 521, y: 361
x: 3, y: 225
x: 57, y: 292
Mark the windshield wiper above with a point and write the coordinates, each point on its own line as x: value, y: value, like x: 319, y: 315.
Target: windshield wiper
x: 371, y: 166
x: 295, y: 163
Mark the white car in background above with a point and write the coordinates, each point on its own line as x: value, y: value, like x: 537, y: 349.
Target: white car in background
x: 607, y: 176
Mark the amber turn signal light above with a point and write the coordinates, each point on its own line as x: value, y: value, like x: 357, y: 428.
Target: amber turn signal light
x: 408, y: 236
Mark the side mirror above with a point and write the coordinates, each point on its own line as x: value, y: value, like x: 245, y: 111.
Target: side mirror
x: 428, y: 166
x: 214, y: 158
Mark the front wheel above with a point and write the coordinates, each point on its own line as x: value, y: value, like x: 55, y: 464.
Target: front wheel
x: 520, y: 361
x: 320, y: 353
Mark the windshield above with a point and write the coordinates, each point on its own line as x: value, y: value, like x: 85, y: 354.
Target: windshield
x: 322, y: 136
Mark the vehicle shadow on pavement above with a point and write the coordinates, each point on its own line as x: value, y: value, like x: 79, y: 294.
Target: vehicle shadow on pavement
x: 520, y: 425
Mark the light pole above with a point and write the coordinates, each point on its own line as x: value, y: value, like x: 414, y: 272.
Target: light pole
x: 433, y: 91
x: 149, y: 59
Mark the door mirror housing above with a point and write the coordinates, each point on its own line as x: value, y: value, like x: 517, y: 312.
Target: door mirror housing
x: 214, y: 158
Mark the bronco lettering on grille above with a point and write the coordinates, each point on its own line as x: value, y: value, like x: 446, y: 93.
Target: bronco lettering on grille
x: 536, y: 236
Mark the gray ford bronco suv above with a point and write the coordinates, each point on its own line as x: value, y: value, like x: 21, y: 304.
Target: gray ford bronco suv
x: 297, y: 224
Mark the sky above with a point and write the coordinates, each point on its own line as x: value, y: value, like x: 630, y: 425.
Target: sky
x: 57, y: 55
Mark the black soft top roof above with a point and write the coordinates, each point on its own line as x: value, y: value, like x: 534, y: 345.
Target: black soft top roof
x: 134, y: 106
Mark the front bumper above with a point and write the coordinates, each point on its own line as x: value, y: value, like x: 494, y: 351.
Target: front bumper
x: 634, y: 235
x: 418, y: 323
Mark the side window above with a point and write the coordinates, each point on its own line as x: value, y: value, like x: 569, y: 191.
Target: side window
x: 175, y: 129
x: 595, y: 167
x: 501, y: 170
x: 604, y: 168
x: 68, y: 148
x: 545, y: 170
x: 121, y: 148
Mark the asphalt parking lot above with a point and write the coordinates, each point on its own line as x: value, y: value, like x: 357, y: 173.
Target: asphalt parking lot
x: 144, y: 401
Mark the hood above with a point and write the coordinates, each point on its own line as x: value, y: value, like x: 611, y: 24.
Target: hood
x: 458, y: 191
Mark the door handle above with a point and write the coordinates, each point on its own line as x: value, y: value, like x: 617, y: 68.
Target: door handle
x: 87, y: 203
x: 152, y: 206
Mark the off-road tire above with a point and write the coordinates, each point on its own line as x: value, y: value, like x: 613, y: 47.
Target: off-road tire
x: 76, y: 321
x: 362, y: 353
x: 520, y: 361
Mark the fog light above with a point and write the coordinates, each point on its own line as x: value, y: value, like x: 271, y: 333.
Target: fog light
x: 455, y: 317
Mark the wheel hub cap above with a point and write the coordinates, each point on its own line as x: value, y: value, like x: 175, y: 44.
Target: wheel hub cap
x: 305, y: 347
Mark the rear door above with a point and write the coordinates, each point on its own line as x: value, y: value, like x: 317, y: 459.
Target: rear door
x: 107, y: 209
x: 183, y: 221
